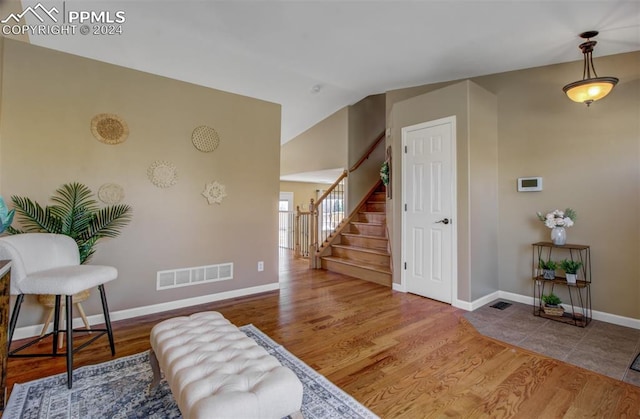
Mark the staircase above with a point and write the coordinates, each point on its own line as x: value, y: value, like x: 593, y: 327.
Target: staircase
x: 361, y: 249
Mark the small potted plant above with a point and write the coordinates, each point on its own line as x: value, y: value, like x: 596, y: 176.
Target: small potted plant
x: 384, y: 173
x: 570, y: 267
x: 552, y: 305
x: 548, y: 268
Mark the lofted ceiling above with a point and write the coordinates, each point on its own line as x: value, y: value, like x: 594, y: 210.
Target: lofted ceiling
x: 315, y: 57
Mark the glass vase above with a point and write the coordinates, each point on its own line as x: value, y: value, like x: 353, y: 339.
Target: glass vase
x: 558, y: 236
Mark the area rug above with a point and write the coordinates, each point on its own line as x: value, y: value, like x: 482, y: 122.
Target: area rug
x: 118, y: 389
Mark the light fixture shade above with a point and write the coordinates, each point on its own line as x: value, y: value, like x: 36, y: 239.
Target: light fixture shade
x: 591, y: 87
x: 590, y: 90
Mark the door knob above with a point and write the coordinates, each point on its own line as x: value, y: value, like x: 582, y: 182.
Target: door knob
x: 443, y: 221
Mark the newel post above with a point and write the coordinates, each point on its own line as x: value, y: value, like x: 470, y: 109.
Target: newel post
x: 313, y: 235
x: 297, y: 233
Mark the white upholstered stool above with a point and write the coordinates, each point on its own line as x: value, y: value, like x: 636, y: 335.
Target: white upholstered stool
x: 215, y: 371
x: 49, y: 264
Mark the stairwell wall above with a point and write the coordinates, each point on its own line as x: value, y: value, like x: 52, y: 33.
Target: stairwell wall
x: 366, y: 122
x: 323, y: 146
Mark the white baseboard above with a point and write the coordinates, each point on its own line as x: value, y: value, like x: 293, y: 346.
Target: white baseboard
x: 518, y: 298
x: 470, y: 306
x: 615, y: 319
x: 399, y: 287
x: 34, y: 330
x: 526, y: 299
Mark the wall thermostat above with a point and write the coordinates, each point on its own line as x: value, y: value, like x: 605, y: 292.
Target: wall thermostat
x: 529, y: 184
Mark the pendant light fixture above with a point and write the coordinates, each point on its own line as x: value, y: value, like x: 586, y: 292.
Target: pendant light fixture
x: 591, y: 87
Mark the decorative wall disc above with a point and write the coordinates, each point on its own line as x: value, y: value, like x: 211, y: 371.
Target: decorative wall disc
x: 162, y: 174
x: 214, y: 192
x: 109, y: 128
x: 205, y: 138
x: 111, y: 193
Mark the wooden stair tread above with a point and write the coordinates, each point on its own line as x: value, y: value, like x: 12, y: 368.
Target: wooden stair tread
x: 368, y: 266
x: 362, y: 249
x: 365, y: 236
x: 363, y: 253
x: 369, y: 223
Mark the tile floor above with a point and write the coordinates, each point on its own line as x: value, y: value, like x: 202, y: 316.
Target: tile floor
x: 602, y: 347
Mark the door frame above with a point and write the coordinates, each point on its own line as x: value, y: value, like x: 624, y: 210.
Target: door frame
x: 285, y: 196
x: 454, y: 202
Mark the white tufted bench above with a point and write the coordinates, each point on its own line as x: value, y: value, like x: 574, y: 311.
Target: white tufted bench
x: 215, y: 371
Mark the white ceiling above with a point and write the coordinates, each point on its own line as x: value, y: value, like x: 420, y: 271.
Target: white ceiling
x: 315, y: 57
x: 279, y: 50
x: 321, y: 176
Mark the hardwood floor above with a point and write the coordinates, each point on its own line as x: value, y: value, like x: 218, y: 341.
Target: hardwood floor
x: 399, y: 354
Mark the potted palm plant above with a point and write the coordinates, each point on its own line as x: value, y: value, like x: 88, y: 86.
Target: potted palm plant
x: 75, y: 213
x: 571, y: 267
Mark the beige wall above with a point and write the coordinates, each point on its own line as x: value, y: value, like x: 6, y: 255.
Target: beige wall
x: 394, y: 96
x: 366, y: 122
x: 589, y: 159
x: 476, y: 178
x: 483, y: 190
x: 302, y: 192
x: 6, y: 8
x: 48, y: 100
x: 1, y: 72
x: 321, y: 147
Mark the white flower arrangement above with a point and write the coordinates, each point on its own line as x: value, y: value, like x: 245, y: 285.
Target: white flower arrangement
x: 558, y: 218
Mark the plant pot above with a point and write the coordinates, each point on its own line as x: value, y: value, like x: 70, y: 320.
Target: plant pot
x: 548, y: 274
x: 572, y: 278
x: 558, y: 236
x: 553, y: 310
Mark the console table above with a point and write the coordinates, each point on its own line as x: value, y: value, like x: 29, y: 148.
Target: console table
x: 5, y: 280
x: 579, y: 293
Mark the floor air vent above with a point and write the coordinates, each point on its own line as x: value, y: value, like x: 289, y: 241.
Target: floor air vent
x: 501, y: 305
x: 183, y: 277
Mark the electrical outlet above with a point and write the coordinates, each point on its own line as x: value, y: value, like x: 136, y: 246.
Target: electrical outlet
x: 260, y: 266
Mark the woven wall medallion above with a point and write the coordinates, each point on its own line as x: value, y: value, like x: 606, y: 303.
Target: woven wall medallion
x: 109, y: 128
x: 111, y: 193
x: 205, y: 138
x: 214, y: 192
x: 163, y: 174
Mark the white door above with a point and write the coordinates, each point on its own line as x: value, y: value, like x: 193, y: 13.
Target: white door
x: 428, y: 178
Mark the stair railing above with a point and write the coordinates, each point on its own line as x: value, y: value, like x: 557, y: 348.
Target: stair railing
x: 286, y: 229
x: 367, y: 153
x: 327, y: 213
x: 302, y: 232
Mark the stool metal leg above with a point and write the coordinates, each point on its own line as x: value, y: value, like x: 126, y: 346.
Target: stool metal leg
x: 14, y: 319
x: 107, y: 319
x: 69, y: 341
x: 56, y: 324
